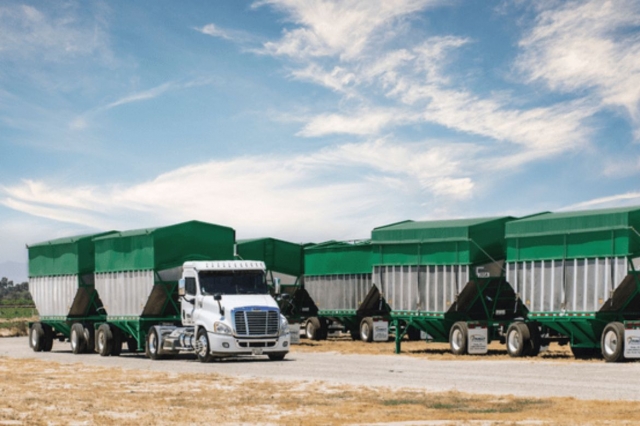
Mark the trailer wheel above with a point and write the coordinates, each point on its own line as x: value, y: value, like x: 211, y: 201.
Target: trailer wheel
x: 116, y: 346
x: 535, y: 341
x: 202, y: 346
x: 89, y: 332
x: 413, y: 334
x: 585, y: 353
x: 355, y: 334
x: 104, y: 340
x: 152, y: 344
x: 612, y: 343
x: 77, y: 340
x: 313, y: 329
x: 47, y: 343
x: 366, y: 329
x: 277, y: 356
x: 132, y: 345
x: 458, y: 337
x: 36, y: 337
x: 518, y: 340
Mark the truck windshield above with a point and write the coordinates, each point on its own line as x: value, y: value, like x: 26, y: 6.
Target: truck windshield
x: 232, y: 282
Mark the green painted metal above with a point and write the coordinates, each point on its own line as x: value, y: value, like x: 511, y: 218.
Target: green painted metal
x: 338, y: 257
x: 63, y: 256
x: 445, y: 242
x: 571, y: 235
x: 279, y: 256
x: 163, y: 248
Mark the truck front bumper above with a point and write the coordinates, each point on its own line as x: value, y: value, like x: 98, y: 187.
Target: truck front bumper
x: 223, y: 345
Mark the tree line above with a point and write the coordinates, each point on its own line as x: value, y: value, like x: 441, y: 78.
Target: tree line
x: 14, y: 294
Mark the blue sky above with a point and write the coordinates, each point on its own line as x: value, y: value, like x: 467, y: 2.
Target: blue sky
x: 311, y: 120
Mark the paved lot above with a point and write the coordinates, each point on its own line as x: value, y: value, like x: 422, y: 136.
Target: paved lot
x: 517, y: 377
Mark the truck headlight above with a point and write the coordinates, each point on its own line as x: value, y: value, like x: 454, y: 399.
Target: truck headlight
x: 222, y: 328
x: 284, y: 325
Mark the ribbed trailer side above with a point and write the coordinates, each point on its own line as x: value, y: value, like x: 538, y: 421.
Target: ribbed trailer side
x: 137, y: 274
x: 439, y: 277
x: 576, y: 275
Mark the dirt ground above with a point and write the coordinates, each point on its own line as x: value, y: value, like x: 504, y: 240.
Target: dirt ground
x: 34, y: 392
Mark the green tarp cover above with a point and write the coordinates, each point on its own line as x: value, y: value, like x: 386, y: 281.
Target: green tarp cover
x: 442, y: 242
x: 334, y: 257
x: 570, y: 235
x: 279, y: 256
x: 63, y: 256
x: 163, y: 248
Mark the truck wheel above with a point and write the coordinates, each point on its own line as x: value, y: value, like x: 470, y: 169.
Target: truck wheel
x: 90, y: 337
x: 366, y: 329
x: 47, y: 343
x: 116, y: 346
x: 535, y: 341
x: 132, y: 345
x: 518, y: 340
x: 77, y: 340
x: 152, y: 346
x: 312, y: 329
x: 612, y: 343
x: 458, y: 337
x: 413, y: 334
x: 202, y: 346
x: 277, y: 356
x: 355, y: 334
x: 36, y: 337
x: 104, y: 340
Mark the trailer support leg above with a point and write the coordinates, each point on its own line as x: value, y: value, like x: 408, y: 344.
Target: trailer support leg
x: 399, y: 335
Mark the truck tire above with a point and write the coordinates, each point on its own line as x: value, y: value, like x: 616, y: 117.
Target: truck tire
x: 202, y: 346
x: 76, y: 339
x: 518, y: 340
x: 313, y: 329
x: 612, y: 342
x: 535, y: 340
x: 366, y: 329
x: 132, y: 345
x: 104, y: 340
x: 47, y: 343
x: 116, y: 346
x: 90, y: 338
x: 277, y: 356
x: 36, y: 337
x: 152, y: 345
x: 355, y: 334
x: 458, y: 338
x: 413, y: 334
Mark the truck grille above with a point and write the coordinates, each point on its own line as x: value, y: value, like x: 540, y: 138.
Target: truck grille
x: 256, y: 322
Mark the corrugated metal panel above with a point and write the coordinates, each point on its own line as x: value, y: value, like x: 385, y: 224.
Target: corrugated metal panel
x: 163, y: 248
x: 338, y: 258
x: 575, y: 235
x: 572, y: 285
x: 125, y: 293
x: 432, y: 288
x: 279, y: 256
x: 54, y: 295
x: 465, y: 241
x: 338, y: 292
x: 63, y: 256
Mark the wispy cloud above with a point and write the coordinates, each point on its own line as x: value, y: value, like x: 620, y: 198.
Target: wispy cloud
x: 143, y: 96
x: 619, y: 200
x: 214, y: 31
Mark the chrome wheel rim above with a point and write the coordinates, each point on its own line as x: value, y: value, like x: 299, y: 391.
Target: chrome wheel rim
x: 310, y: 330
x: 101, y: 340
x: 153, y: 343
x: 74, y: 339
x: 610, y: 342
x: 364, y: 331
x: 203, y: 345
x: 514, y: 341
x: 34, y: 338
x: 456, y: 339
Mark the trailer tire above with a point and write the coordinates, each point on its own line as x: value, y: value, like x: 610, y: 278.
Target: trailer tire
x: 36, y: 337
x: 90, y: 337
x: 47, y: 343
x: 355, y: 334
x: 585, y: 353
x: 413, y: 334
x: 612, y: 342
x: 104, y: 340
x: 202, y: 346
x: 77, y: 340
x: 132, y: 345
x: 366, y: 329
x: 116, y: 347
x: 518, y: 340
x: 277, y: 356
x: 458, y: 338
x: 313, y: 329
x: 152, y: 345
x: 535, y: 340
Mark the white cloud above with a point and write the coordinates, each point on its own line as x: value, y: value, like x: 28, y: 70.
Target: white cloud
x: 214, y: 31
x: 365, y: 122
x: 587, y: 45
x: 142, y: 96
x: 618, y: 200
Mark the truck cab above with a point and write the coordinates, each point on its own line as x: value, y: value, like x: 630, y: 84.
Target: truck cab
x: 225, y: 310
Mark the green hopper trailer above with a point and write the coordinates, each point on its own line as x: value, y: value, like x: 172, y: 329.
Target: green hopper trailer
x: 285, y: 268
x: 338, y: 279
x: 446, y: 279
x: 137, y: 274
x: 61, y: 282
x: 576, y: 273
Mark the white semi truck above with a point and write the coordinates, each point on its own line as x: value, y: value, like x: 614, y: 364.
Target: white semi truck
x: 225, y: 310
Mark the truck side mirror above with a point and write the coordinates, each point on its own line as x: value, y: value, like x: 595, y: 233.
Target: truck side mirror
x: 276, y: 285
x: 217, y: 297
x: 181, y: 287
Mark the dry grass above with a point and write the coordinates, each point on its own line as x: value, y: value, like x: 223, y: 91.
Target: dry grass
x: 441, y: 351
x: 36, y: 392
